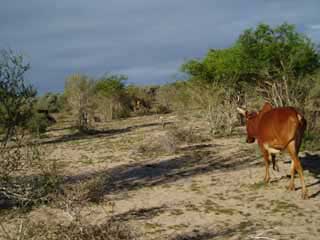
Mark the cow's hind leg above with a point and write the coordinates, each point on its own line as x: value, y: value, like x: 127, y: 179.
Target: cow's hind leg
x: 296, y: 166
x: 267, y: 163
x: 292, y: 172
x: 274, y: 162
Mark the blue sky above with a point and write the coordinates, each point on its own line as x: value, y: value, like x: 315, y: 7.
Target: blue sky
x: 145, y: 39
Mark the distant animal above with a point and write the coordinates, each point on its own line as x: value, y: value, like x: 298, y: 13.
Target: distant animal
x: 275, y: 130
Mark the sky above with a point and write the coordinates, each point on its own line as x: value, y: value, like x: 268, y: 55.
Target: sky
x: 147, y: 40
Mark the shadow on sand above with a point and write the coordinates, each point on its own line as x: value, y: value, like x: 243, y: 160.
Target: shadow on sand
x: 243, y: 230
x: 311, y: 162
x: 140, y: 214
x: 92, y: 134
x: 130, y: 177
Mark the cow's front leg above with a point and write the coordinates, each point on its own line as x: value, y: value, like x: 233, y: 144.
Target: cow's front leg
x: 267, y: 163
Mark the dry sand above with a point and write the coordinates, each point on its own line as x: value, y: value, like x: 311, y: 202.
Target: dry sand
x: 210, y: 189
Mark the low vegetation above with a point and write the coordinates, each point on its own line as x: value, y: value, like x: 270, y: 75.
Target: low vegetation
x: 75, y: 230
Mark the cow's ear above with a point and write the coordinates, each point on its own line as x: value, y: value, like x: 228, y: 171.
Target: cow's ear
x: 241, y: 111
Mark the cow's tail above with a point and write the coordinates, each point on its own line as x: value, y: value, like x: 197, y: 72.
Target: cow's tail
x: 301, y: 128
x: 302, y: 122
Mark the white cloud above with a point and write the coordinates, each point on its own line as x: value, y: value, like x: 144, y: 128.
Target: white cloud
x: 315, y: 27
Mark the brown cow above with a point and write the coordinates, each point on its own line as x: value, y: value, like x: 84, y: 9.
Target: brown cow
x: 277, y: 129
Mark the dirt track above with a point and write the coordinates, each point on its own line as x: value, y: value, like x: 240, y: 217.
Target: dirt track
x: 210, y: 189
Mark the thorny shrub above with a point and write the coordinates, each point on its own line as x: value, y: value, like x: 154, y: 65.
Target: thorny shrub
x: 26, y: 177
x: 76, y: 230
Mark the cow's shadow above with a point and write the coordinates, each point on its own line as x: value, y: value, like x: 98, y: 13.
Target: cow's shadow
x: 311, y: 162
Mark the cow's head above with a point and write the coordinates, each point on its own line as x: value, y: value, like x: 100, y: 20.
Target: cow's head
x: 251, y: 124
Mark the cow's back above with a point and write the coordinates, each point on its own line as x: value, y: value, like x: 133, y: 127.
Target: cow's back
x: 278, y: 127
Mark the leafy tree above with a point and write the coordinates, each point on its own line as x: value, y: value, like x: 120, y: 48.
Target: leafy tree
x: 278, y: 62
x: 53, y: 102
x: 197, y: 70
x: 223, y: 68
x: 16, y: 96
x: 111, y: 85
x: 111, y: 91
x: 274, y: 60
x: 278, y: 58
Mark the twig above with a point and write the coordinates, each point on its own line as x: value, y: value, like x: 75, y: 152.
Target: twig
x: 5, y: 231
x: 259, y: 236
x: 20, y: 233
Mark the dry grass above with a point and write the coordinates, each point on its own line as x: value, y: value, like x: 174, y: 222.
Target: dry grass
x: 186, y: 135
x: 158, y: 144
x: 76, y: 230
x: 169, y: 140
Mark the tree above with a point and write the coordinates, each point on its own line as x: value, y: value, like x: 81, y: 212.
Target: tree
x: 52, y: 102
x: 17, y: 99
x: 220, y: 81
x: 111, y: 85
x: 16, y: 96
x: 215, y: 87
x: 278, y: 58
x: 78, y: 91
x: 224, y: 68
x: 273, y: 60
x: 111, y: 91
x: 197, y: 70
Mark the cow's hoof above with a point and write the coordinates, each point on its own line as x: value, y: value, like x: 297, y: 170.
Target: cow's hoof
x: 266, y: 181
x: 291, y: 187
x: 305, y: 195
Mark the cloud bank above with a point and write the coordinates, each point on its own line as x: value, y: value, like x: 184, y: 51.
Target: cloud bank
x: 146, y: 40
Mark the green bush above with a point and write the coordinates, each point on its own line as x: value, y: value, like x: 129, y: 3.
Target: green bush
x: 17, y: 97
x: 38, y: 123
x: 53, y: 102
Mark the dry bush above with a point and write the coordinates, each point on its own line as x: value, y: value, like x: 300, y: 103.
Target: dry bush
x: 81, y: 193
x: 167, y: 142
x: 222, y: 118
x: 161, y: 109
x: 312, y: 105
x: 76, y: 230
x: 142, y: 99
x: 72, y: 201
x: 219, y: 107
x: 174, y: 96
x: 26, y: 178
x: 186, y: 135
x: 111, y: 107
x: 79, y: 98
x: 162, y: 143
x: 96, y: 188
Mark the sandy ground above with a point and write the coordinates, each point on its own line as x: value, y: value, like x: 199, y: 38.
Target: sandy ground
x: 206, y: 189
